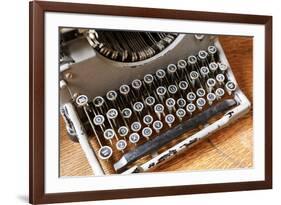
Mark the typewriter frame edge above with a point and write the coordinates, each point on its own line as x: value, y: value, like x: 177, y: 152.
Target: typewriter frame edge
x: 36, y: 104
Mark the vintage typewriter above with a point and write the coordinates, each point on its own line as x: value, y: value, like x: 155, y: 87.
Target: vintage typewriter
x: 134, y: 100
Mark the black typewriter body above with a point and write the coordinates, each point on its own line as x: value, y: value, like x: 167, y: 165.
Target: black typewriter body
x: 134, y: 100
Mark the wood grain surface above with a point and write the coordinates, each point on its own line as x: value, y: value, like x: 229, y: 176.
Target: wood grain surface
x: 229, y: 148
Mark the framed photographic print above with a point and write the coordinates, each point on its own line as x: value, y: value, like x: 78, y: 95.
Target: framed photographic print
x: 139, y: 102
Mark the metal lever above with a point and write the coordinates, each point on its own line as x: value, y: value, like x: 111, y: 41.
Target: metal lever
x: 164, y: 138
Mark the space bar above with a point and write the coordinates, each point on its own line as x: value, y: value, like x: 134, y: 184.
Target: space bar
x: 164, y: 138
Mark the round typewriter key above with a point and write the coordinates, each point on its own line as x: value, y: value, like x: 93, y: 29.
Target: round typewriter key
x: 194, y: 75
x: 146, y: 132
x: 123, y: 131
x: 182, y: 64
x: 213, y: 66
x: 190, y: 108
x: 150, y: 101
x: 170, y: 104
x: 148, y: 78
x: 212, y: 50
x: 200, y: 102
x: 138, y: 106
x: 192, y: 60
x: 161, y: 91
x: 211, y: 98
x: 200, y: 92
x: 98, y: 101
x: 170, y: 119
x: 105, y: 152
x: 160, y: 73
x: 222, y: 67
x: 136, y: 84
x: 82, y: 100
x: 148, y: 119
x: 199, y: 36
x: 204, y: 71
x: 111, y: 95
x: 126, y: 113
x: 124, y: 89
x: 159, y: 110
x: 121, y: 145
x: 183, y: 85
x: 180, y: 114
x: 220, y: 78
x: 202, y: 54
x: 136, y: 126
x: 191, y: 96
x: 134, y: 138
x: 211, y: 83
x: 109, y: 134
x: 181, y: 102
x: 98, y: 120
x: 172, y: 89
x: 230, y: 87
x: 219, y: 92
x: 112, y: 113
x: 172, y: 68
x: 157, y: 126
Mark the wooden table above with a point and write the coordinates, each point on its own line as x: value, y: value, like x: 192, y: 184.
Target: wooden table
x: 228, y: 148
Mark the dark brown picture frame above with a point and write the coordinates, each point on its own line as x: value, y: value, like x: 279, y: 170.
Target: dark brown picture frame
x: 37, y: 11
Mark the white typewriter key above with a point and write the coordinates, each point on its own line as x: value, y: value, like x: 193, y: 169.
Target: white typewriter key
x: 212, y: 50
x: 111, y: 95
x: 194, y: 76
x: 170, y: 119
x: 105, y: 152
x: 183, y: 85
x: 148, y: 119
x: 124, y: 90
x: 211, y: 83
x: 148, y: 79
x: 112, y: 115
x: 121, y: 145
x: 98, y: 120
x: 202, y: 55
x: 190, y: 108
x: 219, y: 93
x: 81, y: 100
x: 181, y: 64
x: 157, y: 126
x: 220, y: 78
x: 192, y: 60
x: 134, y: 138
x: 172, y: 89
x: 149, y: 101
x: 98, y: 101
x: 190, y: 96
x: 159, y: 110
x: 123, y: 131
x: 170, y: 104
x: 222, y: 67
x: 200, y: 92
x: 126, y: 113
x: 109, y: 134
x: 211, y: 98
x: 200, y: 102
x: 213, y: 67
x: 204, y: 71
x: 138, y: 107
x: 160, y: 74
x: 136, y: 84
x: 136, y: 126
x: 180, y: 114
x: 161, y: 92
x: 146, y: 132
x: 181, y: 103
x: 172, y: 68
x: 230, y: 87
